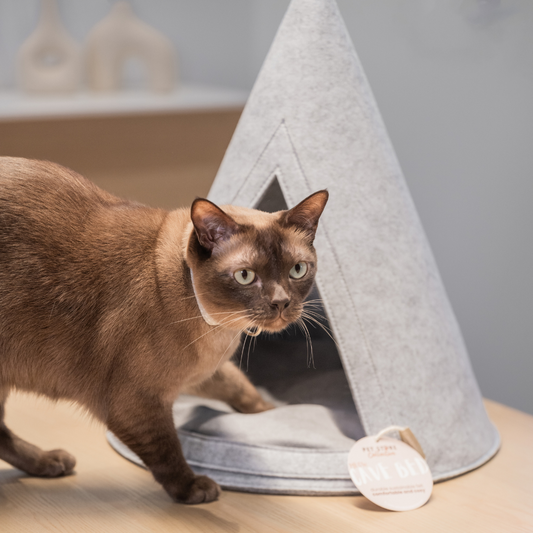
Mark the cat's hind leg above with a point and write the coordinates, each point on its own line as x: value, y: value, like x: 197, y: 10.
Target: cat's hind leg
x: 30, y: 458
x: 230, y: 385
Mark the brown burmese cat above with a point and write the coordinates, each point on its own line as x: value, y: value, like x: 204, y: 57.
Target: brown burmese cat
x: 97, y: 305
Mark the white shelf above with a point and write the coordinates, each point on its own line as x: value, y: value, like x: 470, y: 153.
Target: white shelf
x: 16, y: 106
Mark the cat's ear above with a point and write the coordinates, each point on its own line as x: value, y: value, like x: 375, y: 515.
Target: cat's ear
x: 211, y: 224
x: 305, y: 215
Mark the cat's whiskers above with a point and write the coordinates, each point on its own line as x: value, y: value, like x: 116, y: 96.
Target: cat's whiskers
x: 255, y: 338
x: 316, y: 307
x: 299, y: 323
x: 310, y: 313
x: 242, y: 351
x: 188, y: 298
x: 314, y: 312
x: 314, y: 300
x: 309, y: 344
x: 316, y: 304
x: 317, y: 315
x: 248, y: 354
x: 254, y: 342
x: 211, y: 314
x: 250, y: 324
x: 226, y: 350
x: 192, y: 296
x: 305, y: 315
x: 229, y: 320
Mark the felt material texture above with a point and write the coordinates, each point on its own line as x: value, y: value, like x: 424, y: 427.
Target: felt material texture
x: 311, y: 123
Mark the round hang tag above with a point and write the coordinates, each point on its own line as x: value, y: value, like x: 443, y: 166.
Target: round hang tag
x: 390, y: 473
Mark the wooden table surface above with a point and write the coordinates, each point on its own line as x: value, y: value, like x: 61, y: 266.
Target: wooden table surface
x: 108, y: 493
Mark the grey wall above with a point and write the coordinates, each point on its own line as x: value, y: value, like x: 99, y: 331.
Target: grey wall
x: 454, y: 82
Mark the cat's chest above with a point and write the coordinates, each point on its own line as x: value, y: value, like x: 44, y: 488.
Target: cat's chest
x: 213, y: 348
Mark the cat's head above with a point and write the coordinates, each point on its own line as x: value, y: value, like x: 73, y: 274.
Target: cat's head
x: 253, y: 269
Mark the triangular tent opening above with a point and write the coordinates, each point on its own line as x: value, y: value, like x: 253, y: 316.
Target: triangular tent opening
x: 272, y: 199
x: 291, y: 366
x: 311, y: 123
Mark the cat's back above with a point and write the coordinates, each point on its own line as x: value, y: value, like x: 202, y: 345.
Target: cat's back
x: 37, y: 188
x: 41, y: 206
x: 49, y: 204
x: 59, y: 229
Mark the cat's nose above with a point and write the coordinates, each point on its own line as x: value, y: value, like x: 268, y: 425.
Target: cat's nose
x: 280, y: 304
x: 280, y: 299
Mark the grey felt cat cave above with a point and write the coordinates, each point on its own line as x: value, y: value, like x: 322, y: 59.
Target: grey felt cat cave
x: 311, y: 123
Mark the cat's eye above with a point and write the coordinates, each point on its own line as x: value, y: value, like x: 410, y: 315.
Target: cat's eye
x: 244, y: 277
x: 299, y: 270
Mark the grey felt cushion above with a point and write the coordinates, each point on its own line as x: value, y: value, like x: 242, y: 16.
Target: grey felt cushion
x: 311, y: 123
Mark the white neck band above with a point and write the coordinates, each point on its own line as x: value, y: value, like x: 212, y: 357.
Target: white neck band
x: 205, y: 314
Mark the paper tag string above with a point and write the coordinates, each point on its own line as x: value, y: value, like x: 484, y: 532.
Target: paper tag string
x: 406, y: 435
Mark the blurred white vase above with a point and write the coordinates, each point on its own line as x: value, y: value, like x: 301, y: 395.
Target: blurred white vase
x: 121, y: 37
x: 50, y: 60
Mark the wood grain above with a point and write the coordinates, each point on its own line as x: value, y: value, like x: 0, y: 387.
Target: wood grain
x: 107, y: 493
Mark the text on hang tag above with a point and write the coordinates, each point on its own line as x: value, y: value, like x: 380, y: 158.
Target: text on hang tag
x: 391, y: 473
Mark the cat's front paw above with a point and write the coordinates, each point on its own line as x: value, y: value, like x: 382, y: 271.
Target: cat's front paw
x: 54, y: 463
x: 256, y: 406
x: 200, y: 489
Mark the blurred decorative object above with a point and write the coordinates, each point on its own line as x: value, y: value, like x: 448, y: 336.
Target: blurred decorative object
x: 49, y: 61
x: 120, y: 37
